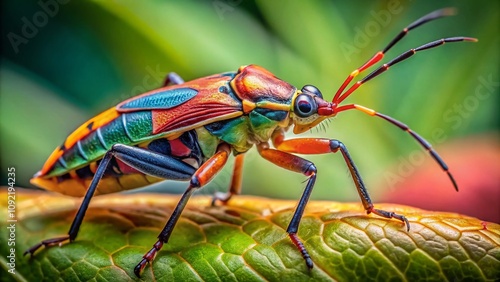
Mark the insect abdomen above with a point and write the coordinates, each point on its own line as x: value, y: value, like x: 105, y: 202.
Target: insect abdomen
x: 128, y: 129
x: 118, y: 175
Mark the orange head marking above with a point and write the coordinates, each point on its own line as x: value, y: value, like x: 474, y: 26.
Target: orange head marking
x: 256, y: 84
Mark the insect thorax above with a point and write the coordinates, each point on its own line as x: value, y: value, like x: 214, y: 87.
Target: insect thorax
x: 245, y: 131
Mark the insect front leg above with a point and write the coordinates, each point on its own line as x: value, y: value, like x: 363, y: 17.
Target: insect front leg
x: 322, y: 146
x: 283, y: 157
x: 235, y: 186
x: 146, y: 161
x: 201, y: 177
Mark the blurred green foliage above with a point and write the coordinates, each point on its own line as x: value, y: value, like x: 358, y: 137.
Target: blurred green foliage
x: 64, y: 63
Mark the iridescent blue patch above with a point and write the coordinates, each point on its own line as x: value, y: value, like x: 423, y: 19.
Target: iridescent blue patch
x: 161, y: 100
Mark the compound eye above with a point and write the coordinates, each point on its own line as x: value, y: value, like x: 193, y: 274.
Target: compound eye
x: 313, y: 90
x: 304, y: 106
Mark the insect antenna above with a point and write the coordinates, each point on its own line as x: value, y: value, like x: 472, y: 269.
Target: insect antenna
x: 427, y: 146
x: 379, y: 55
x: 399, y: 59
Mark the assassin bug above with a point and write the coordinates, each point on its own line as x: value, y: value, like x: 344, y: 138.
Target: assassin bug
x: 187, y: 130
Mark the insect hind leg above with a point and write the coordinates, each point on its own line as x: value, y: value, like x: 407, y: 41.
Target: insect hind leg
x: 146, y: 161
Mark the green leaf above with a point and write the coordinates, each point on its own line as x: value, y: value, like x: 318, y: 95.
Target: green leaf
x: 244, y: 241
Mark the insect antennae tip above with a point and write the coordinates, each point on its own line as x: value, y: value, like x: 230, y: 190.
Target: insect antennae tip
x: 453, y: 181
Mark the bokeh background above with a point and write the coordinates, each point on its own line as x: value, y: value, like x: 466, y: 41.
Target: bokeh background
x: 63, y: 62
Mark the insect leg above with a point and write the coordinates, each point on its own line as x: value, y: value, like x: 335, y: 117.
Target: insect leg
x: 143, y: 160
x: 235, y: 187
x: 291, y: 162
x: 297, y: 164
x: 201, y: 177
x: 321, y: 146
x: 173, y: 78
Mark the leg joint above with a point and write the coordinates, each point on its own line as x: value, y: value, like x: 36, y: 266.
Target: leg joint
x: 311, y: 170
x: 335, y: 145
x: 195, y: 182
